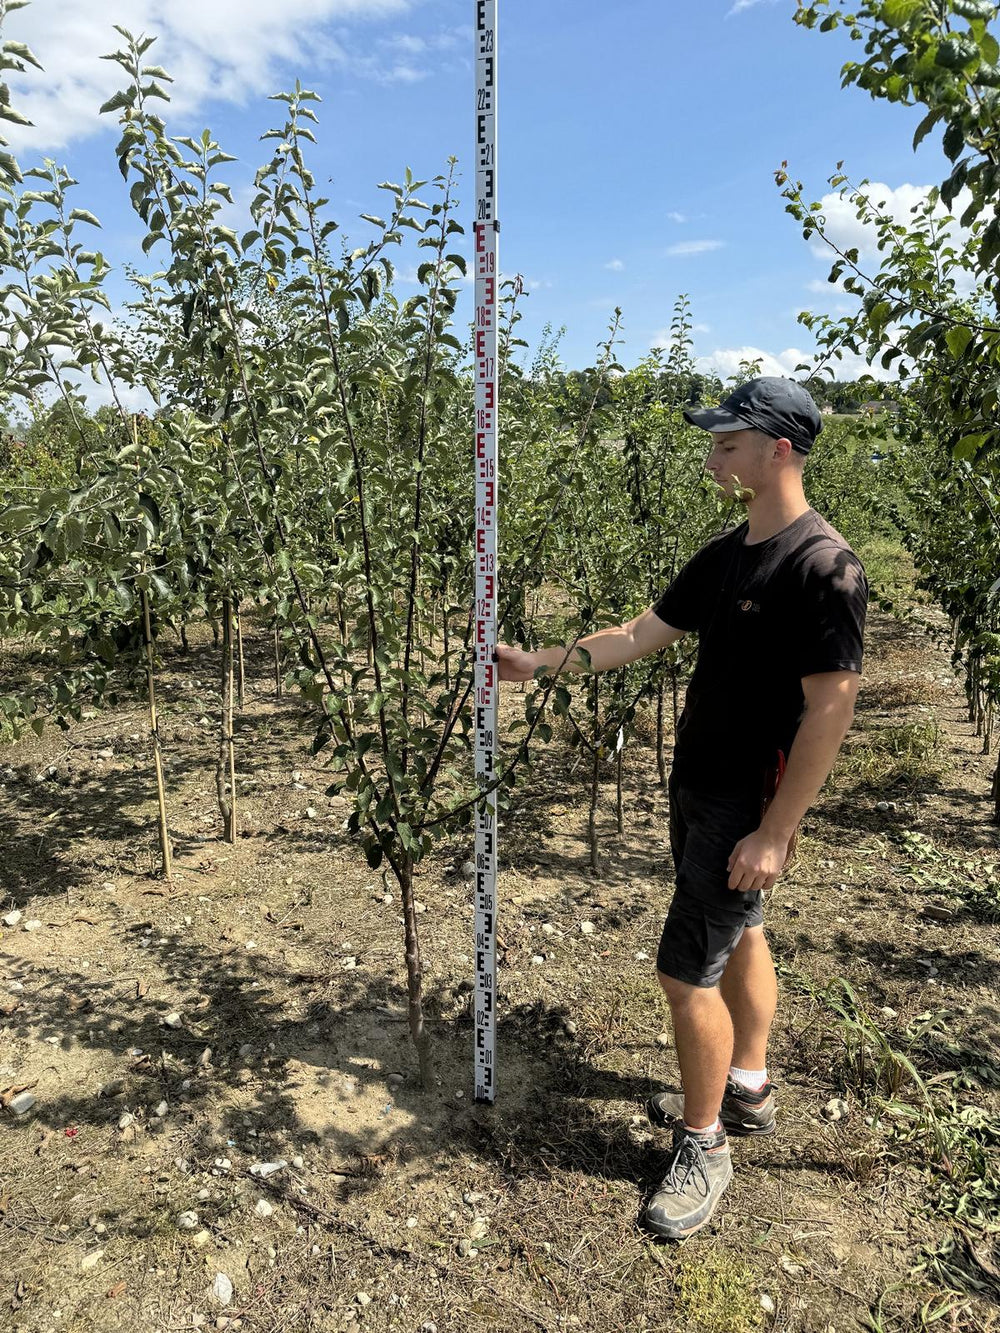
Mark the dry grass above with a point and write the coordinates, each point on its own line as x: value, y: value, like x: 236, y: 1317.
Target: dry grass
x: 884, y: 756
x: 526, y: 1215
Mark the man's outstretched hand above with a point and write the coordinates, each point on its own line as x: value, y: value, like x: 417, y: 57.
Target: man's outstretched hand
x: 515, y: 664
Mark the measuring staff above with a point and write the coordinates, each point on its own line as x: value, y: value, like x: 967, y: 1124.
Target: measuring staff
x: 486, y: 232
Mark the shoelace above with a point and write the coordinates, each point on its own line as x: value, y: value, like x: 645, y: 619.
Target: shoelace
x: 691, y: 1156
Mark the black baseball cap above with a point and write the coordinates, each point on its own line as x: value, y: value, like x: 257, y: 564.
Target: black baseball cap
x: 780, y: 408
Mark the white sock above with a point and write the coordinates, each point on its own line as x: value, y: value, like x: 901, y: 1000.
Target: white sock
x: 754, y: 1079
x: 709, y: 1129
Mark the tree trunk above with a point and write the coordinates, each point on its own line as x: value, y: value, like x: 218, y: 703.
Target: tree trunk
x: 414, y: 971
x: 154, y: 732
x: 619, y: 806
x: 996, y: 792
x: 972, y: 692
x: 619, y: 760
x: 444, y: 626
x: 595, y: 773
x: 277, y: 660
x: 227, y: 753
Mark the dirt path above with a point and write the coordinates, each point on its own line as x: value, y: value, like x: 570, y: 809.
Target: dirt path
x: 174, y: 1039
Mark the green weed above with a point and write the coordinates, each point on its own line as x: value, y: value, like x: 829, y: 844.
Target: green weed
x: 972, y: 884
x: 898, y: 755
x: 952, y: 1144
x: 889, y: 566
x: 716, y: 1293
x: 919, y: 1312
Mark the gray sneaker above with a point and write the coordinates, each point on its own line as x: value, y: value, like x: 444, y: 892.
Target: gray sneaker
x: 699, y: 1174
x: 743, y: 1113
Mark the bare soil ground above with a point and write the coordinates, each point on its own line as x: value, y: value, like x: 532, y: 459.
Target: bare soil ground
x: 175, y: 1037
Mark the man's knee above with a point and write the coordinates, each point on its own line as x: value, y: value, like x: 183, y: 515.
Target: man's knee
x: 681, y: 994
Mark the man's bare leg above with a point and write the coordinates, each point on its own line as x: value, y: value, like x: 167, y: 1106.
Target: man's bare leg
x: 750, y: 991
x: 703, y: 1036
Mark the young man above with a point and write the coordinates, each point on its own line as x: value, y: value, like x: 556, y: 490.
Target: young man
x: 778, y: 604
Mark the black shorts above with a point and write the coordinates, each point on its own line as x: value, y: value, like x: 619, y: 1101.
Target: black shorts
x: 706, y: 919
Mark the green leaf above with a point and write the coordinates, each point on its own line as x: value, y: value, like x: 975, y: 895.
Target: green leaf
x: 878, y: 316
x: 898, y: 13
x: 926, y: 127
x: 17, y: 517
x: 72, y: 532
x: 975, y: 9
x: 117, y: 103
x: 373, y: 854
x: 969, y: 446
x: 19, y: 49
x: 958, y: 339
x: 82, y: 215
x: 151, y: 509
x: 955, y: 53
x: 954, y: 140
x: 15, y: 118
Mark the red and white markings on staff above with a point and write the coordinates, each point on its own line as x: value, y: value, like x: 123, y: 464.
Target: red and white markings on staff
x: 486, y: 681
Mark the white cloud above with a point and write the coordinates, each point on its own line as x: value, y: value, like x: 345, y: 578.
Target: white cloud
x: 615, y: 265
x: 742, y: 5
x: 400, y: 72
x: 229, y: 50
x: 413, y: 46
x: 725, y: 361
x: 694, y: 247
x: 446, y: 40
x: 846, y: 232
x: 674, y: 216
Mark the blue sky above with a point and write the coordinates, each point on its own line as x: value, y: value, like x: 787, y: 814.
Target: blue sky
x: 638, y: 140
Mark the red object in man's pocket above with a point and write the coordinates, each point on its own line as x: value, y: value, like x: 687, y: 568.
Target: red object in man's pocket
x: 772, y: 781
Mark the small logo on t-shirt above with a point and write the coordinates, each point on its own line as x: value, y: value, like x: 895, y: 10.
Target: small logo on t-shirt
x: 749, y: 606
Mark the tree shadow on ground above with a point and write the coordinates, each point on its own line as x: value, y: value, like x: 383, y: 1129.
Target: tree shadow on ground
x: 239, y: 1058
x: 958, y: 968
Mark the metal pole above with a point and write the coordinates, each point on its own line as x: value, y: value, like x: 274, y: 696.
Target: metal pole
x: 486, y: 474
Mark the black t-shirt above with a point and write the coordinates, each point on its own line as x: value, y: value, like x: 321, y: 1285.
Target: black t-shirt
x: 766, y: 615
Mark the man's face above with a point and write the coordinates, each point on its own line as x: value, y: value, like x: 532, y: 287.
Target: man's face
x: 737, y: 463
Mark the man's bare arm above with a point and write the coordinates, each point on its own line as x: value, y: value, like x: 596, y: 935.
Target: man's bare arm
x: 607, y: 649
x: 758, y: 859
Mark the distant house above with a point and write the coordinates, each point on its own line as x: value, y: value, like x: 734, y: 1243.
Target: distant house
x: 827, y: 410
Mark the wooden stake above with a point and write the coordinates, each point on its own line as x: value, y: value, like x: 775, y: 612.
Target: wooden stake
x: 595, y: 774
x: 227, y: 752
x: 661, y: 760
x: 240, y: 664
x: 154, y: 731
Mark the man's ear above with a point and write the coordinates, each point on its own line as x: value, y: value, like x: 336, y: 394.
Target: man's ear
x: 782, y: 448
